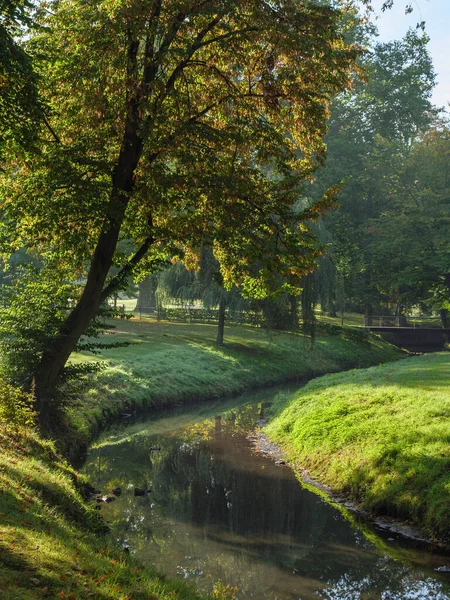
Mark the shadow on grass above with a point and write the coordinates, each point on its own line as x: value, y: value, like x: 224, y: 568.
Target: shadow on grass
x: 22, y: 577
x: 409, y: 487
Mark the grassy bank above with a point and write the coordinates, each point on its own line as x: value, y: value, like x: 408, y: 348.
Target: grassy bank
x: 169, y: 363
x: 48, y: 546
x: 380, y: 435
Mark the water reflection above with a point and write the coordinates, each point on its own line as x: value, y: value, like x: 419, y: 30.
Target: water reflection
x: 216, y: 511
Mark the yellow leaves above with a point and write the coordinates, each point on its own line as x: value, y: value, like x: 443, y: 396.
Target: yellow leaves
x: 224, y: 592
x: 192, y: 259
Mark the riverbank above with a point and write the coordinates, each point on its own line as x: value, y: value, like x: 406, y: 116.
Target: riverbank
x: 378, y: 437
x: 50, y: 545
x: 169, y: 364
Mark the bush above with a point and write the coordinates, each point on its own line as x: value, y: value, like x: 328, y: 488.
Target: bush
x: 359, y: 336
x: 16, y: 407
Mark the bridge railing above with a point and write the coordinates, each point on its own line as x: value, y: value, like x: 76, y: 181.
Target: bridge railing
x: 414, y: 321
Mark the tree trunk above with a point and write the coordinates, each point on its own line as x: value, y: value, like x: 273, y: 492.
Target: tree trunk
x: 333, y: 311
x: 368, y: 314
x: 221, y: 324
x: 342, y: 299
x: 401, y: 317
x: 444, y: 311
x: 60, y: 348
x: 294, y: 312
x: 147, y: 296
x: 307, y: 298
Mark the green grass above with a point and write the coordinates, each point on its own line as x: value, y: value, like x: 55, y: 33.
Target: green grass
x: 350, y: 319
x: 47, y: 546
x: 169, y: 363
x: 379, y: 435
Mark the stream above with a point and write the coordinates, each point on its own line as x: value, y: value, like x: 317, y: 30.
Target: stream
x: 213, y: 510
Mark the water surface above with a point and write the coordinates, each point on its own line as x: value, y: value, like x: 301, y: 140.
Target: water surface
x: 217, y: 511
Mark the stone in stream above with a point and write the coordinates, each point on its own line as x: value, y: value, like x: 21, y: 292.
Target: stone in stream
x: 106, y: 499
x: 141, y: 492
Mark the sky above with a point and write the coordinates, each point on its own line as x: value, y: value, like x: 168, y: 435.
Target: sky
x: 393, y: 24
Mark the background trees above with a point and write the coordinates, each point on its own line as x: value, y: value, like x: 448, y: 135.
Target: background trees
x: 410, y: 245
x: 373, y: 131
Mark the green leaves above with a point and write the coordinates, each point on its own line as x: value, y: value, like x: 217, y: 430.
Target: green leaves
x: 16, y: 407
x: 20, y: 108
x: 412, y: 257
x: 372, y: 131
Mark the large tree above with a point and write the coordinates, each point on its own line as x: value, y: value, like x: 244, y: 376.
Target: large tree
x: 166, y: 118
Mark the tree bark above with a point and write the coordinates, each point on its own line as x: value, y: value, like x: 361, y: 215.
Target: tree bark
x: 60, y: 348
x: 333, y: 311
x: 147, y: 296
x: 221, y: 324
x: 368, y: 313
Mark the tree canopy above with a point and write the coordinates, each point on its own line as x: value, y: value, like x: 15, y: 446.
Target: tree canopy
x: 372, y: 132
x: 173, y: 124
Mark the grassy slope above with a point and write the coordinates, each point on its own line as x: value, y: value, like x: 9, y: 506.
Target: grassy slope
x: 47, y: 545
x: 169, y: 363
x: 380, y: 435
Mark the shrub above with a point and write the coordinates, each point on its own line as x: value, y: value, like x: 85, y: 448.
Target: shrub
x: 16, y: 407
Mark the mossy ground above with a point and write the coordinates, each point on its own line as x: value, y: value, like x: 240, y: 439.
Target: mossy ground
x: 379, y: 435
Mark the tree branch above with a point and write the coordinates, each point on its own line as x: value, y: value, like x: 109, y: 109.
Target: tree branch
x: 225, y: 36
x: 197, y: 43
x: 118, y: 279
x: 52, y: 131
x: 152, y: 58
x: 150, y: 41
